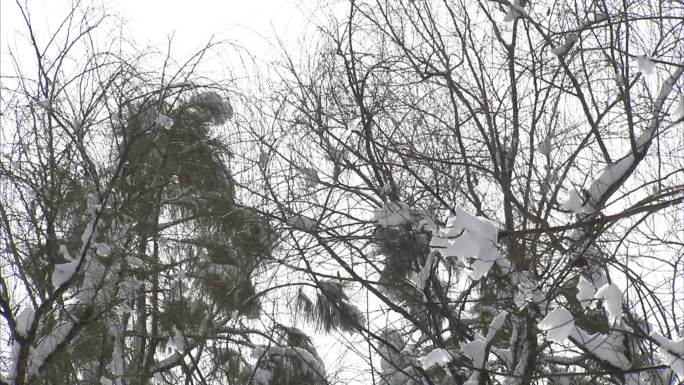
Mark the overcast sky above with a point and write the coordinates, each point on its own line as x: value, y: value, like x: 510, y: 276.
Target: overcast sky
x: 253, y: 24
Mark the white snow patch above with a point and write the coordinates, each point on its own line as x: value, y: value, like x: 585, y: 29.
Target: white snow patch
x: 106, y: 381
x: 495, y: 325
x: 612, y: 301
x: 526, y: 288
x: 399, y: 213
x: 505, y: 355
x: 469, y: 236
x: 65, y: 253
x: 262, y: 376
x: 24, y: 321
x: 164, y: 121
x: 586, y: 292
x: 437, y: 356
x: 671, y: 353
x: 609, y: 347
x: 63, y: 272
x: 475, y: 350
x: 558, y: 325
x: 612, y: 174
x: 87, y: 235
x: 645, y: 64
x: 353, y: 124
x: 47, y: 345
x: 574, y: 202
x: 94, y: 275
x: 116, y: 364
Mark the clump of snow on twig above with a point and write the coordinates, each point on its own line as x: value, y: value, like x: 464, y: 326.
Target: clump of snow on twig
x: 63, y: 272
x: 607, y: 347
x: 47, y: 345
x: 437, y: 356
x: 585, y: 293
x: 558, y: 324
x: 671, y: 353
x: 645, y: 64
x: 612, y: 301
x: 476, y: 350
x: 164, y: 121
x: 679, y: 114
x: 469, y: 236
x: 574, y: 203
x: 24, y: 321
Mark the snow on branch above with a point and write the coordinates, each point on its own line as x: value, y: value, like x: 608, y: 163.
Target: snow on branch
x: 558, y: 324
x: 585, y: 292
x: 613, y: 175
x: 612, y: 301
x: 671, y: 353
x: 466, y: 235
x: 48, y: 345
x: 606, y: 347
x: 476, y: 349
x: 437, y: 356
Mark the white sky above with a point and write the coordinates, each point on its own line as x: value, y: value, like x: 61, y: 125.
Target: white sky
x: 252, y: 24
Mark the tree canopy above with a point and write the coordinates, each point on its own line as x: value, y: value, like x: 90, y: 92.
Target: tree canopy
x: 454, y: 192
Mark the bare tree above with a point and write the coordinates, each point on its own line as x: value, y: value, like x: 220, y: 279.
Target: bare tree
x: 500, y: 183
x: 126, y: 257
